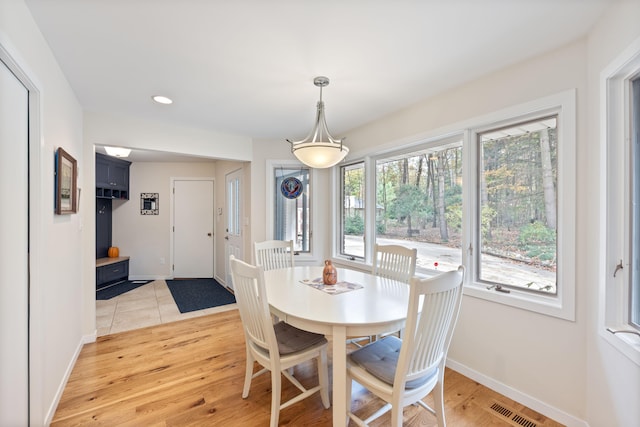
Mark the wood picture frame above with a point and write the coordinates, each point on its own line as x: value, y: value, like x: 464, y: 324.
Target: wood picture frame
x: 66, y: 173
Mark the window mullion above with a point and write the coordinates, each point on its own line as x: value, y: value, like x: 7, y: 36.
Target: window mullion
x: 370, y: 209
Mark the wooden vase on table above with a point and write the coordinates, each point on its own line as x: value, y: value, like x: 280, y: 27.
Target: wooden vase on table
x: 329, y: 274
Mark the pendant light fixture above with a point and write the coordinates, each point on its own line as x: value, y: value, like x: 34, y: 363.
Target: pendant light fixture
x: 319, y: 149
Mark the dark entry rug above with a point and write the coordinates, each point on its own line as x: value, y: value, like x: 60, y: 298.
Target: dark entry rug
x: 119, y: 288
x: 198, y: 294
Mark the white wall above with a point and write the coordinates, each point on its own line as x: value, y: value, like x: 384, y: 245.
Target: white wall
x: 489, y: 338
x: 280, y: 150
x: 613, y: 380
x: 263, y: 150
x: 59, y: 264
x: 103, y: 128
x: 124, y: 131
x: 539, y: 360
x: 147, y: 238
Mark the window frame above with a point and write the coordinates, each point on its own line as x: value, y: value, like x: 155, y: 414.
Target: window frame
x: 476, y: 238
x: 271, y: 168
x: 634, y: 214
x: 432, y: 144
x: 563, y: 104
x: 616, y: 212
x: 341, y: 219
x: 561, y: 305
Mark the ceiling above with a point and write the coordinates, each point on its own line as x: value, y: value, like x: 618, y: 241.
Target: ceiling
x: 246, y: 67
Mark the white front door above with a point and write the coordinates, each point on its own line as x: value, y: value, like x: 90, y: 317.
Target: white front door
x: 193, y: 228
x: 14, y: 270
x: 233, y: 239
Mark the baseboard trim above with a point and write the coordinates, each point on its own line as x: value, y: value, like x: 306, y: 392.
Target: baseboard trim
x: 67, y: 374
x: 221, y: 280
x: 147, y: 277
x: 513, y: 394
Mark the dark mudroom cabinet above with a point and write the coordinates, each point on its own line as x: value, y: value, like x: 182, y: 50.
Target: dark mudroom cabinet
x: 112, y: 177
x: 112, y: 183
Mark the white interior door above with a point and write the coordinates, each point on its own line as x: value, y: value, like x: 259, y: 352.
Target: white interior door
x: 14, y: 229
x: 193, y: 228
x: 233, y: 239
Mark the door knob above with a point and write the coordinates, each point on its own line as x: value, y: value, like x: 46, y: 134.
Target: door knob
x: 209, y: 234
x: 226, y: 237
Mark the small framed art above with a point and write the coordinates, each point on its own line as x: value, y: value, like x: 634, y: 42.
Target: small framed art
x: 66, y: 172
x: 149, y: 203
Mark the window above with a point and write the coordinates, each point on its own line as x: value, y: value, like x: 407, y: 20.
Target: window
x: 517, y: 206
x: 497, y: 195
x: 292, y: 208
x: 634, y: 288
x: 620, y: 215
x: 419, y: 203
x: 353, y: 214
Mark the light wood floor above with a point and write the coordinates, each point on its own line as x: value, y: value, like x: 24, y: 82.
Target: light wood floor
x: 191, y: 372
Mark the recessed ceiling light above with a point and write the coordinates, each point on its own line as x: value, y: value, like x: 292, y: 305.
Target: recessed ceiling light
x: 117, y: 151
x: 162, y: 99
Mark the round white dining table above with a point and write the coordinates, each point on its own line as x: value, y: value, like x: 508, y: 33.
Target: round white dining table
x: 379, y: 305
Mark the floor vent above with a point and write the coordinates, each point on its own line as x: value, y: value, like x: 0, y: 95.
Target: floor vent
x: 523, y: 421
x: 513, y: 418
x: 502, y: 410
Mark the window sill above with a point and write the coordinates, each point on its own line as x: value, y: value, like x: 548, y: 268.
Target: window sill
x: 549, y: 306
x: 627, y: 344
x: 347, y: 263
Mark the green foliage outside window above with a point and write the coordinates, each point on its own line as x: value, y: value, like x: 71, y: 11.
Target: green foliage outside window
x: 538, y: 241
x: 354, y: 225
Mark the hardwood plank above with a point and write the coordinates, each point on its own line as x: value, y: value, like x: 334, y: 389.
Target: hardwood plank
x: 191, y: 373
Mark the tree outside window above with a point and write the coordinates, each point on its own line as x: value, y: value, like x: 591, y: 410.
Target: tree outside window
x: 419, y: 204
x: 353, y: 211
x: 517, y: 206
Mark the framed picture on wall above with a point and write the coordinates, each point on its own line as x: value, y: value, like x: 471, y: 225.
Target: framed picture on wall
x: 66, y: 171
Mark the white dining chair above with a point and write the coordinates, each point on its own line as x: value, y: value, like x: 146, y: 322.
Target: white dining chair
x: 392, y: 262
x: 404, y: 371
x: 277, y: 348
x: 272, y: 254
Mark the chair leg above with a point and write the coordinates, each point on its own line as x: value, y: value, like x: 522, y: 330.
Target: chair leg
x: 248, y: 374
x: 276, y: 390
x: 396, y: 415
x: 323, y: 378
x: 438, y: 397
x: 348, y: 395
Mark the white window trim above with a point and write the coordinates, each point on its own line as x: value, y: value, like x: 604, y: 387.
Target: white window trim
x: 338, y: 220
x: 362, y: 264
x: 561, y: 305
x: 563, y: 104
x: 272, y: 165
x: 614, y: 186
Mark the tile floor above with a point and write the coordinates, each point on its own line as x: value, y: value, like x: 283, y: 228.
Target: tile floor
x: 148, y: 305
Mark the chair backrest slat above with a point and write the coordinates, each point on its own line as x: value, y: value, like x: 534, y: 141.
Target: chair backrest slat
x: 429, y: 327
x: 251, y: 296
x: 273, y: 254
x: 394, y: 262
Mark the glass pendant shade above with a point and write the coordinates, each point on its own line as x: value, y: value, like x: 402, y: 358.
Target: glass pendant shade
x: 320, y: 154
x: 319, y: 149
